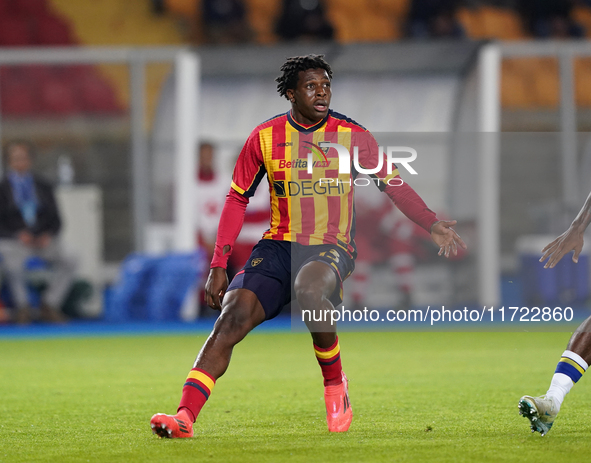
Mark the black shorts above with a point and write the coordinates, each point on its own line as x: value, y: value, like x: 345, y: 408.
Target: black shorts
x: 273, y: 266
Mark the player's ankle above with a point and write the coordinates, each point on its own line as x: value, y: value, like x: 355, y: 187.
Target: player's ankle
x: 556, y: 401
x: 333, y: 382
x: 188, y: 414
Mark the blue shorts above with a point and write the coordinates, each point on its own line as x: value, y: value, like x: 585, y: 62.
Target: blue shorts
x: 268, y: 272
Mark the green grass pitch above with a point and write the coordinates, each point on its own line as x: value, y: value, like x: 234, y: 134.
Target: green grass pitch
x: 416, y: 397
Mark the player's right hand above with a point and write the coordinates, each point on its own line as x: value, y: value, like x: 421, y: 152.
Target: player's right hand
x: 215, y: 287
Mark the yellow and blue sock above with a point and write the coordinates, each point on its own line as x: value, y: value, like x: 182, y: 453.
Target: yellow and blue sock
x: 569, y: 370
x: 329, y: 360
x: 196, y: 391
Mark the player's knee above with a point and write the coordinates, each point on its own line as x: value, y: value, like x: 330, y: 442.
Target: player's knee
x: 309, y: 296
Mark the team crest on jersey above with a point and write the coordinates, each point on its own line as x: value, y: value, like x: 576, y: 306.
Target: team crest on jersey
x: 256, y: 261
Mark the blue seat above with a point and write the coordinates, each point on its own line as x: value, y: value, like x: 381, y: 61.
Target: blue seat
x: 153, y: 288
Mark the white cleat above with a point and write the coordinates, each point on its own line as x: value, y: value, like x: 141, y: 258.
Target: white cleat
x: 540, y: 411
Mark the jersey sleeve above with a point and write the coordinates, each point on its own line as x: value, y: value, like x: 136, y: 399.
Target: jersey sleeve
x: 411, y: 205
x: 231, y: 222
x: 250, y: 167
x: 369, y: 158
x: 406, y: 199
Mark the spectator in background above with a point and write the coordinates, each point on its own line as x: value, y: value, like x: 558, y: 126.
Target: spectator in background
x: 551, y: 18
x: 434, y: 19
x: 29, y: 226
x: 224, y: 22
x: 303, y: 20
x: 209, y: 196
x: 209, y: 200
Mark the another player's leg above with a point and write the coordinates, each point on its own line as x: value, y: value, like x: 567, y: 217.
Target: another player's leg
x: 241, y: 312
x: 314, y: 285
x: 542, y: 411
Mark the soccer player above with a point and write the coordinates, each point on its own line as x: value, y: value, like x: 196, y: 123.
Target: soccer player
x: 308, y: 250
x: 542, y: 411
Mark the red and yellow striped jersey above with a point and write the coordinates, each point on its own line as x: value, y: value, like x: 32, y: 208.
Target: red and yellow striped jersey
x: 308, y: 208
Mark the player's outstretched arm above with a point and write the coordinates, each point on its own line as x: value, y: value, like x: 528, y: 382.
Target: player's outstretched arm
x: 412, y: 206
x: 446, y: 237
x: 570, y: 240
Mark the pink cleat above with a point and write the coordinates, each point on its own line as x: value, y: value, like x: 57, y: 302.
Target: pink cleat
x: 172, y: 426
x: 339, y: 413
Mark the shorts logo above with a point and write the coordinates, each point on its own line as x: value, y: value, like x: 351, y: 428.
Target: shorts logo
x: 332, y: 254
x: 255, y: 262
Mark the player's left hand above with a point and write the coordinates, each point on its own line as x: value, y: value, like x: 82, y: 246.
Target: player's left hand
x: 446, y: 237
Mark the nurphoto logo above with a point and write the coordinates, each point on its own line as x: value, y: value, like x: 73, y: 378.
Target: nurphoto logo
x: 319, y: 151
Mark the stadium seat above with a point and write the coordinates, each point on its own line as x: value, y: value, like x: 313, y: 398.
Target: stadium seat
x: 51, y: 30
x: 6, y: 8
x: 87, y: 91
x: 355, y: 8
x: 397, y: 9
x: 272, y: 6
x: 58, y: 97
x: 96, y: 95
x: 367, y: 20
x: 19, y: 95
x: 582, y: 15
x: 376, y: 28
x: 16, y: 31
x: 582, y: 79
x: 153, y: 288
x: 543, y: 73
x: 74, y: 72
x: 344, y: 32
x: 36, y: 72
x: 489, y: 22
x: 264, y: 29
x: 31, y: 8
x: 18, y: 100
x: 470, y: 20
x: 352, y: 21
x: 183, y: 7
x: 515, y: 88
x: 501, y: 23
x: 530, y: 83
x: 262, y: 15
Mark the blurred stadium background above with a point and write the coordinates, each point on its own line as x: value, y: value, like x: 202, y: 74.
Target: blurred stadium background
x: 116, y: 97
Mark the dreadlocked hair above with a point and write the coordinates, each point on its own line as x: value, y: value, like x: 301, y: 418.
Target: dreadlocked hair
x: 292, y: 67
